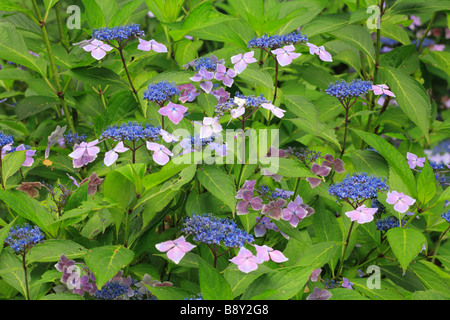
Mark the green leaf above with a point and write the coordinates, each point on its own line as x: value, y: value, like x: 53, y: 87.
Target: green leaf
x: 212, y: 283
x: 168, y: 293
x: 105, y: 262
x: 302, y: 107
x: 62, y: 296
x: 298, y: 13
x: 286, y: 167
x: 219, y: 184
x: 13, y: 48
x: 358, y: 37
x: 123, y: 15
x: 385, y: 292
x: 395, y: 32
x: 369, y: 162
x: 403, y: 58
x: 419, y: 6
x: 319, y: 254
x: 407, y: 280
x: 239, y: 281
x: 11, y: 163
x: 32, y: 105
x: 406, y: 244
x: 411, y: 97
x: 394, y: 158
x: 97, y: 76
x: 4, y: 233
x: 94, y: 14
x: 119, y: 189
x: 11, y: 270
x: 426, y: 184
x: 318, y: 129
x: 287, y: 281
x: 443, y: 60
x: 255, y: 77
x: 186, y: 51
x: 325, y: 23
x: 51, y: 250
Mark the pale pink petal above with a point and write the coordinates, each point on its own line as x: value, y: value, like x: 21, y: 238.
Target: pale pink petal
x: 110, y: 157
x: 165, y: 246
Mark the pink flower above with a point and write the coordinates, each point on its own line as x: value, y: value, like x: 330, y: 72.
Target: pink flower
x: 315, y: 275
x: 97, y: 49
x: 84, y: 153
x: 320, y: 51
x: 111, y: 156
x: 362, y: 214
x: 221, y: 95
x: 168, y: 137
x: 176, y: 249
x: 414, y: 161
x: 400, y: 201
x: 286, y: 54
x: 224, y: 75
x: 151, y: 45
x: 209, y: 127
x: 161, y: 153
x: 266, y: 253
x: 437, y: 47
x: 246, y: 261
x: 175, y: 112
x: 278, y: 112
x: 248, y: 200
x: 415, y: 22
x: 274, y: 208
x: 187, y: 92
x: 202, y: 75
x: 241, y: 61
x: 294, y: 212
x: 29, y: 155
x: 220, y: 149
x: 379, y: 89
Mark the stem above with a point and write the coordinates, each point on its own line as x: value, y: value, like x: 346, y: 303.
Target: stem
x: 126, y: 71
x: 243, y: 140
x: 436, y: 246
x: 276, y: 82
x: 24, y: 265
x: 53, y: 68
x: 345, y: 132
x: 1, y: 170
x: 426, y: 31
x: 62, y: 35
x: 341, y: 265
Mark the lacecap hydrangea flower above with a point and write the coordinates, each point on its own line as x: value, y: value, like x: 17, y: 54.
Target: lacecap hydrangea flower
x: 358, y: 187
x: 343, y: 90
x: 161, y: 91
x: 21, y: 238
x: 276, y: 41
x: 118, y: 33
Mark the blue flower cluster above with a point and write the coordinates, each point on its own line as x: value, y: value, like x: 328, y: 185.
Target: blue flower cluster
x: 72, y: 139
x: 131, y: 131
x: 357, y: 187
x: 446, y: 216
x: 205, y: 62
x: 252, y: 101
x: 442, y: 147
x: 387, y: 223
x: 161, y: 91
x: 331, y: 283
x: 276, y: 41
x: 5, y: 139
x: 22, y: 238
x: 303, y: 154
x: 112, y: 290
x: 196, y: 141
x: 342, y: 89
x: 197, y: 297
x: 283, y: 194
x: 377, y: 204
x: 118, y: 33
x: 442, y: 179
x: 436, y: 166
x: 213, y: 230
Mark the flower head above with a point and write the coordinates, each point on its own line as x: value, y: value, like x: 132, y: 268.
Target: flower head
x: 362, y: 214
x: 285, y: 55
x: 240, y: 61
x: 225, y: 75
x: 187, y: 92
x: 22, y: 238
x: 319, y: 294
x: 266, y: 253
x: 344, y: 90
x: 161, y: 154
x: 175, y: 112
x: 294, y: 212
x: 176, y: 249
x: 357, y: 187
x: 28, y: 155
x: 274, y: 208
x: 246, y: 261
x: 400, y: 201
x: 204, y: 77
x: 84, y: 153
x: 151, y: 45
x: 112, y: 155
x: 97, y: 48
x: 5, y: 139
x: 276, y: 41
x: 379, y: 89
x: 320, y: 51
x: 161, y: 91
x: 118, y: 33
x: 414, y: 161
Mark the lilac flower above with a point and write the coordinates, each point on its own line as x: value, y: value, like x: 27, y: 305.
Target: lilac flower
x: 224, y: 75
x: 209, y: 127
x: 379, y: 89
x: 274, y: 208
x: 294, y: 212
x: 151, y: 45
x: 362, y: 214
x: 53, y: 138
x: 97, y: 49
x: 187, y: 92
x: 249, y: 185
x: 415, y: 22
x: 320, y: 51
x: 414, y: 161
x: 315, y: 275
x: 64, y: 263
x: 241, y: 61
x: 176, y: 249
x: 285, y: 55
x: 278, y: 112
x: 204, y: 74
x: 347, y: 284
x: 337, y: 164
x: 266, y: 253
x: 246, y: 261
x: 168, y: 137
x: 262, y: 226
x: 29, y: 155
x: 220, y: 149
x: 319, y: 294
x: 221, y: 95
x: 400, y: 201
x: 175, y: 112
x: 111, y: 156
x: 84, y: 153
x: 248, y: 200
x: 161, y: 153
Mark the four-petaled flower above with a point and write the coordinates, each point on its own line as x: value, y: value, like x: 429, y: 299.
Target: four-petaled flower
x: 175, y: 112
x: 246, y: 261
x: 278, y: 112
x: 414, y: 161
x: 248, y: 200
x: 294, y: 212
x: 204, y: 74
x: 362, y: 214
x: 161, y: 153
x: 84, y: 153
x: 379, y: 89
x: 400, y: 201
x: 266, y: 253
x: 241, y: 61
x: 97, y: 49
x: 320, y: 51
x: 111, y: 156
x: 151, y: 45
x: 224, y: 75
x: 315, y: 274
x: 176, y: 249
x: 28, y: 155
x: 286, y: 54
x: 209, y: 127
x: 274, y: 208
x: 187, y: 92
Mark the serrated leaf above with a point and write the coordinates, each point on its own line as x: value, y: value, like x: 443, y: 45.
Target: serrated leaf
x: 52, y: 249
x: 212, y: 283
x: 406, y: 244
